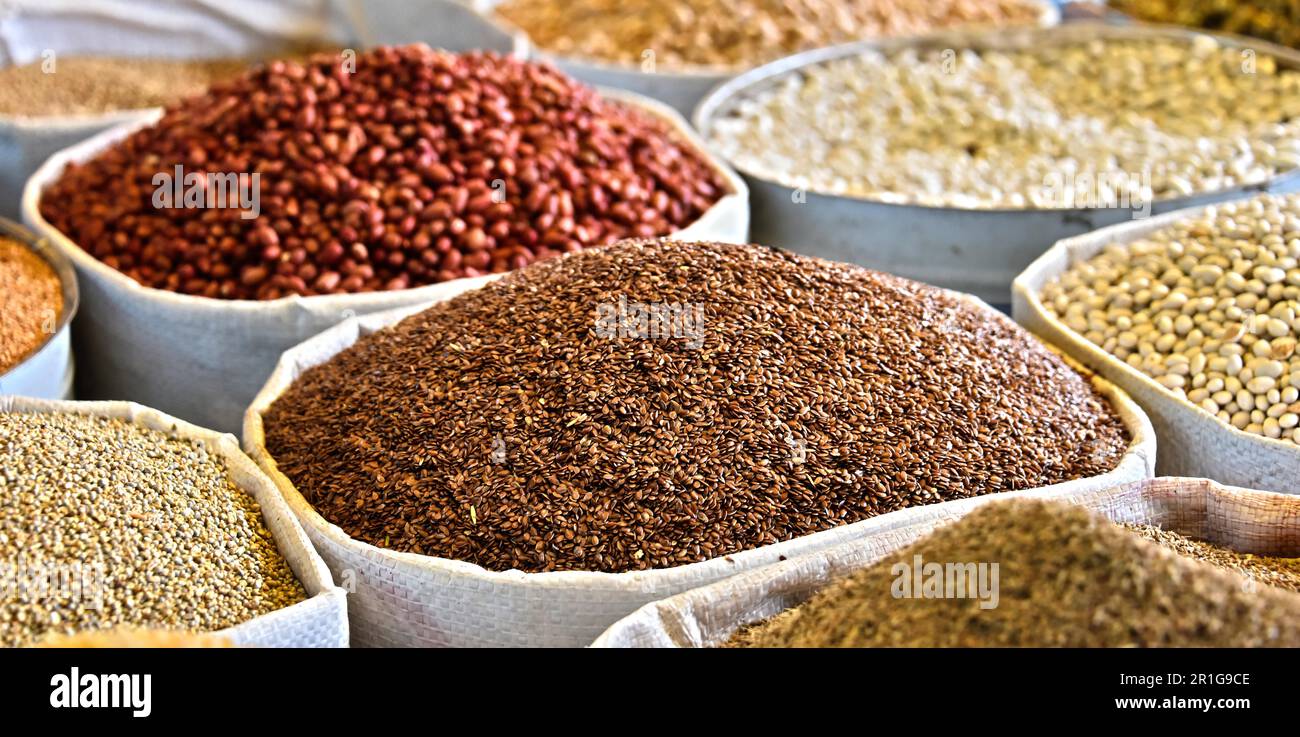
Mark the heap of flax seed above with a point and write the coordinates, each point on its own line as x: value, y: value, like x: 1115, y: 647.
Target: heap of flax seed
x: 538, y: 423
x: 1067, y: 577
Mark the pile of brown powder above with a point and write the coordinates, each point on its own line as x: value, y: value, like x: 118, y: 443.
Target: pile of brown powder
x: 1066, y: 578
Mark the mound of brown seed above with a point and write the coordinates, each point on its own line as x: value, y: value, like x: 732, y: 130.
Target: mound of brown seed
x: 1066, y: 577
x: 105, y: 524
x: 1284, y: 573
x: 655, y: 403
x: 31, y: 302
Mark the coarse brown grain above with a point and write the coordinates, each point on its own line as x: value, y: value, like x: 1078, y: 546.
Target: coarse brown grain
x: 31, y: 302
x: 397, y: 168
x: 1283, y: 573
x: 1067, y: 577
x: 504, y: 428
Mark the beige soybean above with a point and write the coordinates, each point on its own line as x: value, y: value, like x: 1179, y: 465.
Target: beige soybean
x: 1208, y: 307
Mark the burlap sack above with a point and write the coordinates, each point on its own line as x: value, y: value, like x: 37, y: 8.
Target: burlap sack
x: 1259, y: 522
x: 407, y: 600
x: 31, y: 30
x: 204, y: 359
x: 1192, y: 441
x: 321, y: 620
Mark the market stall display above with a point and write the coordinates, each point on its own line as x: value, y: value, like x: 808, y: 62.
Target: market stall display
x: 1195, y: 313
x: 166, y: 526
x: 532, y: 458
x: 1213, y: 604
x: 510, y: 366
x: 958, y: 158
x: 327, y: 191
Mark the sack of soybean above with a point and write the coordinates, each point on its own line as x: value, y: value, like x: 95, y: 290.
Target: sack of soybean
x: 90, y: 66
x: 180, y: 346
x: 518, y: 466
x: 1197, y: 518
x: 198, y: 538
x: 1196, y: 314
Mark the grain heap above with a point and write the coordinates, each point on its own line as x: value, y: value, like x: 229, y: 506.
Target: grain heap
x: 1066, y: 578
x: 1209, y: 307
x: 31, y: 302
x: 652, y: 404
x: 729, y: 34
x: 107, y: 524
x: 1283, y: 573
x: 1057, y: 126
x: 397, y: 168
x: 92, y: 85
x: 1273, y: 20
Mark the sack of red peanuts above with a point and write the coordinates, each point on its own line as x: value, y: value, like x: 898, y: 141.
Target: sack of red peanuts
x: 71, y: 70
x: 216, y: 235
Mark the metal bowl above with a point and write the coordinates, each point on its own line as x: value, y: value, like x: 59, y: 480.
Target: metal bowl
x: 48, y: 371
x: 978, y: 251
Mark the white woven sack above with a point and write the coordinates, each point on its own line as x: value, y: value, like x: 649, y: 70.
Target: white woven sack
x: 1260, y: 522
x: 319, y: 621
x: 205, y: 359
x: 1192, y: 441
x: 29, y: 29
x: 446, y: 24
x: 408, y: 600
